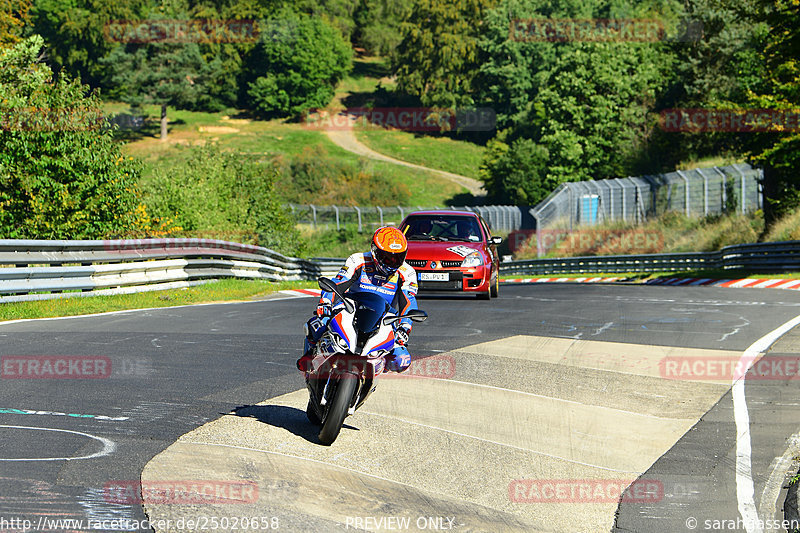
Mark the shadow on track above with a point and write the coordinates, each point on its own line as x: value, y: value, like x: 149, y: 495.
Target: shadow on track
x: 289, y: 418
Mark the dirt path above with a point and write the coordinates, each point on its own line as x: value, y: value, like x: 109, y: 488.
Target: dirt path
x: 346, y: 138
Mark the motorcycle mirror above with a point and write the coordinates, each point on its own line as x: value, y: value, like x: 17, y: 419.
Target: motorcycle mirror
x: 417, y: 315
x: 329, y: 286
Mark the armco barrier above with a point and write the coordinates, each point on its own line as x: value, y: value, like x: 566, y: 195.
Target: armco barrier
x: 34, y: 270
x: 31, y: 268
x: 762, y: 257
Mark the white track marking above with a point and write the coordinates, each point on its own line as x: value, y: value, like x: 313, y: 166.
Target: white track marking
x: 745, y: 491
x: 108, y: 446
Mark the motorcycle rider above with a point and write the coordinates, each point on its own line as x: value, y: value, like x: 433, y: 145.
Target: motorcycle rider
x: 383, y: 271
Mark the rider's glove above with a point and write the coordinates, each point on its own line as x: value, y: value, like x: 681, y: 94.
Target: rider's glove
x: 401, y: 336
x: 324, y: 308
x: 398, y: 362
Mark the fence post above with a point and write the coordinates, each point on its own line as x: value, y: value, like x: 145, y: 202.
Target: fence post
x: 360, y: 229
x: 686, y: 191
x: 380, y: 211
x: 402, y: 216
x: 705, y: 191
x: 724, y: 185
x: 337, y: 216
x: 743, y: 187
x: 314, y: 211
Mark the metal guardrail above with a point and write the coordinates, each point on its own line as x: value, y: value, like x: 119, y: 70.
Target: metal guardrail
x: 762, y: 257
x: 33, y: 270
x: 29, y: 268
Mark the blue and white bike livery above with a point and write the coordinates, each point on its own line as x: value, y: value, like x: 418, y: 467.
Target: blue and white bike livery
x: 349, y: 356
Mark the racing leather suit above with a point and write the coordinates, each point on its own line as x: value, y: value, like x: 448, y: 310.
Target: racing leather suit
x: 359, y: 274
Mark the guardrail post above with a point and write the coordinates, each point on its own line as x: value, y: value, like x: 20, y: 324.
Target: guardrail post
x: 380, y: 211
x: 360, y: 229
x: 402, y: 216
x: 314, y: 211
x: 337, y: 217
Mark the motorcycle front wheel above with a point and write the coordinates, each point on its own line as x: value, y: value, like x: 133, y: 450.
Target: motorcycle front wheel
x: 334, y: 418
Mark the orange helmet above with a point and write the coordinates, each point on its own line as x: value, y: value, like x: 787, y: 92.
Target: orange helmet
x: 389, y: 249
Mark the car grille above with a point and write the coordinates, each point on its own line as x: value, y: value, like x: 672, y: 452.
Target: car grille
x: 451, y: 264
x: 416, y: 262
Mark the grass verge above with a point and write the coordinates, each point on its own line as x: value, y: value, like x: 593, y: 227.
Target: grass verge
x: 439, y: 152
x: 215, y: 291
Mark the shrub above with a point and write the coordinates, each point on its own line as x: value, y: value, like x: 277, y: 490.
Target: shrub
x: 61, y: 175
x: 222, y: 195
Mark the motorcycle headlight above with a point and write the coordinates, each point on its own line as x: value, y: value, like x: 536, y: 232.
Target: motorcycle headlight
x: 340, y: 342
x: 472, y: 260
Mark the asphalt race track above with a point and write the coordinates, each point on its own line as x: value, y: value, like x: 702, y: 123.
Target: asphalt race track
x: 531, y: 411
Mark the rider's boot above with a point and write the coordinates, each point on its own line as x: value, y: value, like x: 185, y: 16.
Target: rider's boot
x: 305, y: 360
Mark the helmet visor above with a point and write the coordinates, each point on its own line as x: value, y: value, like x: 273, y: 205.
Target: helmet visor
x: 390, y: 261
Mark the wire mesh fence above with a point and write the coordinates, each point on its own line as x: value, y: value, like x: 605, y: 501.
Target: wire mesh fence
x: 500, y: 218
x: 699, y: 192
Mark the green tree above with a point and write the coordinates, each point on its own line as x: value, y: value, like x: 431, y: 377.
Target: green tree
x: 165, y: 74
x: 779, y: 150
x: 61, y: 175
x: 584, y: 106
x: 377, y: 24
x: 296, y: 66
x: 14, y: 14
x: 438, y: 56
x: 75, y: 32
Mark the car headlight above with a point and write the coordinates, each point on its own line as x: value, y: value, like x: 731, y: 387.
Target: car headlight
x: 472, y: 260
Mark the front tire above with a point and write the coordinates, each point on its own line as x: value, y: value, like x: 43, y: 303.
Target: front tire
x: 337, y: 412
x: 495, y: 290
x: 312, y: 414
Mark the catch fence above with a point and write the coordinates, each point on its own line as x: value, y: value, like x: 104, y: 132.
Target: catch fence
x: 698, y: 192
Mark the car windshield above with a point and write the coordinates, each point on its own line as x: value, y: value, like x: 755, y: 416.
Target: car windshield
x: 442, y: 227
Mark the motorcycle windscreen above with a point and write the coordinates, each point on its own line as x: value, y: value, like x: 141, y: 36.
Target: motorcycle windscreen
x: 370, y: 308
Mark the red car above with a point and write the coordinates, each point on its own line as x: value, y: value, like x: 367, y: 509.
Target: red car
x: 452, y: 251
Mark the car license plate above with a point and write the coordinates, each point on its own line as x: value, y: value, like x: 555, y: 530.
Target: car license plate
x: 434, y: 276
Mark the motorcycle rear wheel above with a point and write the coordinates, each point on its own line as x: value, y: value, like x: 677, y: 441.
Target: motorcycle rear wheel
x: 332, y: 424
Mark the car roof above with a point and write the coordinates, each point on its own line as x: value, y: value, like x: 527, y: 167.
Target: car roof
x: 444, y: 212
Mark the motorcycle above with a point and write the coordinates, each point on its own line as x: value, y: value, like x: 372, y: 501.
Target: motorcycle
x: 349, y: 357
